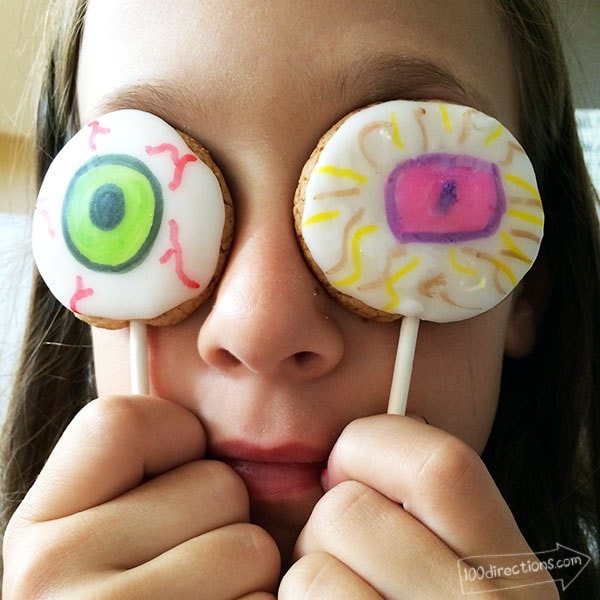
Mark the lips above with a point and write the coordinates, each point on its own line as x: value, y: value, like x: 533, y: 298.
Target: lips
x: 274, y: 473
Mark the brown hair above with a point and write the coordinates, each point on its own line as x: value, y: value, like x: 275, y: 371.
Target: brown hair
x: 55, y: 373
x: 544, y: 447
x: 543, y: 451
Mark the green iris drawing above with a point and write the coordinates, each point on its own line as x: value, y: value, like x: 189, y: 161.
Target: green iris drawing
x: 112, y: 213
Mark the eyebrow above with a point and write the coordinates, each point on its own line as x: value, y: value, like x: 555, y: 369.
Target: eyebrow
x: 387, y: 76
x: 163, y: 98
x: 375, y: 78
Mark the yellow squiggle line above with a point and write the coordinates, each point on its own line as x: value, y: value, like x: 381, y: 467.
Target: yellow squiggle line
x: 503, y: 267
x: 396, y: 133
x: 392, y: 279
x: 522, y: 183
x: 512, y: 246
x: 460, y: 267
x: 355, y: 244
x: 344, y: 173
x: 495, y: 134
x: 446, y: 118
x: 525, y: 216
x: 322, y: 216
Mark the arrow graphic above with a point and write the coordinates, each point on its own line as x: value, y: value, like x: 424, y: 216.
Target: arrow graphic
x: 510, y: 571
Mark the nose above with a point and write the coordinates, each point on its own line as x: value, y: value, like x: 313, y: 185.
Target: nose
x: 270, y: 316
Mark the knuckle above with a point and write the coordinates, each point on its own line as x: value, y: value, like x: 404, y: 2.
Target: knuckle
x: 110, y: 415
x: 452, y: 464
x: 103, y: 422
x: 226, y: 483
x: 29, y: 574
x: 345, y: 505
x: 307, y: 578
x: 225, y: 477
x: 262, y: 544
x: 252, y: 542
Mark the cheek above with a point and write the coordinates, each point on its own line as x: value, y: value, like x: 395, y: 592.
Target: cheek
x: 111, y: 360
x: 172, y: 357
x: 456, y: 378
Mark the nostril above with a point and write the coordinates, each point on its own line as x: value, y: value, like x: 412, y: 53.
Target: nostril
x: 224, y: 359
x: 305, y: 359
x: 311, y: 364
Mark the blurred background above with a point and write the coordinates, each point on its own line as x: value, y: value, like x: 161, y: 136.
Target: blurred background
x: 21, y: 27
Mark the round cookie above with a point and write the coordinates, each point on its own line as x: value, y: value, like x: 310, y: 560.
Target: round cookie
x: 419, y: 209
x: 133, y: 222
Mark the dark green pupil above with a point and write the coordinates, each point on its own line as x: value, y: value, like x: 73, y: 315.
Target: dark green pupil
x: 107, y: 207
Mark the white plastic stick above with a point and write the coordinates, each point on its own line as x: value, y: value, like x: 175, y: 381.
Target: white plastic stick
x: 405, y: 354
x: 138, y: 357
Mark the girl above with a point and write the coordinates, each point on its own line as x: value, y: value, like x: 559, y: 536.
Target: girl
x: 215, y: 485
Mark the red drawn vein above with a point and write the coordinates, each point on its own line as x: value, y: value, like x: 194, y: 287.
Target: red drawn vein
x: 97, y: 129
x: 179, y: 162
x: 46, y: 216
x: 80, y: 294
x: 177, y: 252
x: 41, y: 202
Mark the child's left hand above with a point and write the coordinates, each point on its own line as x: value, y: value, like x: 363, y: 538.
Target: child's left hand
x: 404, y: 502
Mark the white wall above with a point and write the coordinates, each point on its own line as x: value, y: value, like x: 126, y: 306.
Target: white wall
x: 21, y: 23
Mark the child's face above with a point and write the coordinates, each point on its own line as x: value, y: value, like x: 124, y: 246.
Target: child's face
x: 272, y: 365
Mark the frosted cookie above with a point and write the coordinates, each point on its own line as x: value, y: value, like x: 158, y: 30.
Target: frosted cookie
x: 420, y: 209
x: 133, y: 222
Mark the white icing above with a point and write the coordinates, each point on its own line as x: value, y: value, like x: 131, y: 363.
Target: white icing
x: 441, y: 282
x: 196, y: 205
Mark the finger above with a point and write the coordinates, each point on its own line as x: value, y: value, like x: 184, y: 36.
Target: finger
x: 437, y: 478
x: 153, y: 518
x: 321, y: 575
x: 111, y: 446
x: 381, y: 543
x: 231, y: 562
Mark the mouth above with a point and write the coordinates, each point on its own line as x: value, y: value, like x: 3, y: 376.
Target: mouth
x: 274, y: 480
x: 275, y: 473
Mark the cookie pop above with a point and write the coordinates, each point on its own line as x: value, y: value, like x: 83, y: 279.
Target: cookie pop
x: 420, y: 210
x: 132, y: 225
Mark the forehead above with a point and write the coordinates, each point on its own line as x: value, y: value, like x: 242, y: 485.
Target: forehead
x: 284, y: 58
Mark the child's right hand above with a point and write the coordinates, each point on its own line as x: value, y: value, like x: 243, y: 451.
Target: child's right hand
x: 126, y: 508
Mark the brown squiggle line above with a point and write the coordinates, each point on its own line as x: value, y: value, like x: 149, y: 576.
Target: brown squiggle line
x: 439, y: 280
x: 419, y: 114
x: 512, y: 148
x: 525, y: 201
x: 513, y: 254
x: 340, y: 265
x: 497, y: 285
x: 337, y: 193
x: 466, y: 126
x: 528, y: 235
x: 364, y: 132
x: 444, y: 296
x: 486, y: 257
x: 426, y: 286
x: 380, y: 281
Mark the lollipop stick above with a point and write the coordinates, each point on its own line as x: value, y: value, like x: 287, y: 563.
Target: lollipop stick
x: 138, y: 357
x: 405, y: 354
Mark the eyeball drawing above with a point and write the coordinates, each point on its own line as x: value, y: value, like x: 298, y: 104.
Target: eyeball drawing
x: 419, y: 209
x: 131, y: 223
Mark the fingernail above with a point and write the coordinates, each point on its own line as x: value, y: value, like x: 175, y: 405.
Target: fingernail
x: 325, y: 479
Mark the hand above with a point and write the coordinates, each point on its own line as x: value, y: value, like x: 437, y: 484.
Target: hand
x: 126, y: 508
x: 405, y: 502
